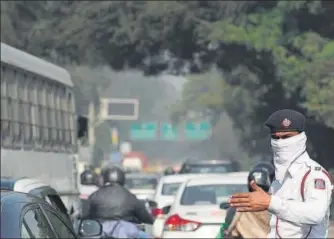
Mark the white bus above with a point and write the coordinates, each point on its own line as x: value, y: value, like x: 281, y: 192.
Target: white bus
x: 38, y: 122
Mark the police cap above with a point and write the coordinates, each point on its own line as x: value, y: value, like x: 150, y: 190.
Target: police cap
x: 286, y: 120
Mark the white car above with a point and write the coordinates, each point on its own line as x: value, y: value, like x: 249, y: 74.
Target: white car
x: 142, y: 185
x: 240, y: 174
x: 164, y: 196
x: 195, y: 212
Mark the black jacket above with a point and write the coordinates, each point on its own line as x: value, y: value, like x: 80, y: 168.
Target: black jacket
x: 114, y: 202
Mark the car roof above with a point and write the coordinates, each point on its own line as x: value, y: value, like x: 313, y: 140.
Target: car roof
x: 217, y: 179
x: 207, y: 161
x: 180, y: 178
x: 141, y: 175
x: 241, y: 174
x: 12, y: 196
x: 22, y: 184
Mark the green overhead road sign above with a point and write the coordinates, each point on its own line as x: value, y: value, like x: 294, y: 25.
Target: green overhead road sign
x: 197, y: 131
x: 168, y: 132
x: 144, y: 131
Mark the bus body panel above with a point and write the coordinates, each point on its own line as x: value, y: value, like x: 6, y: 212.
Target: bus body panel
x: 57, y: 169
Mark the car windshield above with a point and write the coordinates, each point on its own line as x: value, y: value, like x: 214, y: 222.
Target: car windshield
x: 169, y: 189
x: 208, y: 168
x: 141, y: 183
x: 210, y: 194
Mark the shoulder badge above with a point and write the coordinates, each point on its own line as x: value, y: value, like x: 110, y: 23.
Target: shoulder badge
x: 319, y: 184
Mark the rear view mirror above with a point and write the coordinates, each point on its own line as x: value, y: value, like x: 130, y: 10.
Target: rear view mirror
x: 152, y: 204
x: 90, y: 228
x: 166, y: 209
x: 224, y: 205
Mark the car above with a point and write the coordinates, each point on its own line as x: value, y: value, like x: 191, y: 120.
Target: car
x: 196, y: 211
x: 28, y: 216
x: 208, y: 166
x: 141, y: 184
x: 164, y: 196
x: 38, y: 188
x: 241, y: 174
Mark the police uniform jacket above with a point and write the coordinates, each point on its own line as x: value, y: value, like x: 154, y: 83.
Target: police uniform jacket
x: 300, y: 204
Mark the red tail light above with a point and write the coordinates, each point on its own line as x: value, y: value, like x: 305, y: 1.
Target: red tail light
x: 156, y: 212
x: 176, y: 223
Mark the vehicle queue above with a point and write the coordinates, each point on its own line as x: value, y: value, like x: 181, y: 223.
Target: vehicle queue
x: 205, y: 199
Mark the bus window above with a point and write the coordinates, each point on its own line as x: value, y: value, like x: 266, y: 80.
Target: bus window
x: 62, y: 116
x: 59, y: 116
x: 67, y: 138
x: 4, y: 107
x: 50, y: 120
x: 40, y: 116
x: 72, y: 120
x: 23, y: 118
x: 46, y: 136
x: 8, y: 76
x: 32, y: 98
x: 28, y: 134
x: 54, y: 116
x: 15, y: 117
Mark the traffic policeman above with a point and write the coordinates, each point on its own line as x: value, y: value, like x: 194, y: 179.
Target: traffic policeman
x: 300, y: 197
x: 237, y: 223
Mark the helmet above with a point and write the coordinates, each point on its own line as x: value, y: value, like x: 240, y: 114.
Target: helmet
x: 262, y: 174
x: 113, y: 175
x: 87, y: 177
x: 169, y: 171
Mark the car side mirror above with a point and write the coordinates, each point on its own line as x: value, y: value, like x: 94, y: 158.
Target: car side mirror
x: 224, y: 205
x: 90, y: 228
x: 166, y: 209
x: 152, y: 204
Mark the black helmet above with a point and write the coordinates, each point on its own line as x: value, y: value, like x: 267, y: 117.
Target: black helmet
x: 169, y: 171
x: 113, y: 175
x: 88, y: 177
x: 262, y: 174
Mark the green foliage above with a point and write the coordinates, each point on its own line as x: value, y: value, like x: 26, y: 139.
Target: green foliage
x: 300, y: 79
x: 269, y: 55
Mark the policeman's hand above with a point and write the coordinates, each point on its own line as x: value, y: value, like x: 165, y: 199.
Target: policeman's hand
x: 255, y: 201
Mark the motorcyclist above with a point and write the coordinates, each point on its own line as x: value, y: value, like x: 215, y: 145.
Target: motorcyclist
x: 88, y: 182
x: 116, y: 207
x: 237, y: 223
x: 87, y: 177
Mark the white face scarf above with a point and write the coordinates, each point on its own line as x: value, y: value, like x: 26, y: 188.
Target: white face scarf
x: 286, y: 151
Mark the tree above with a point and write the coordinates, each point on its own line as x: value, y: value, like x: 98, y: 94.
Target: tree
x: 276, y: 68
x: 265, y: 51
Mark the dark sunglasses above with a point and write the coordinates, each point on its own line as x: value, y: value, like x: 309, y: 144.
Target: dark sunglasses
x: 281, y: 137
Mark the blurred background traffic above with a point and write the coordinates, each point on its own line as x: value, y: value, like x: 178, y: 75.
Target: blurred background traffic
x: 152, y: 85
